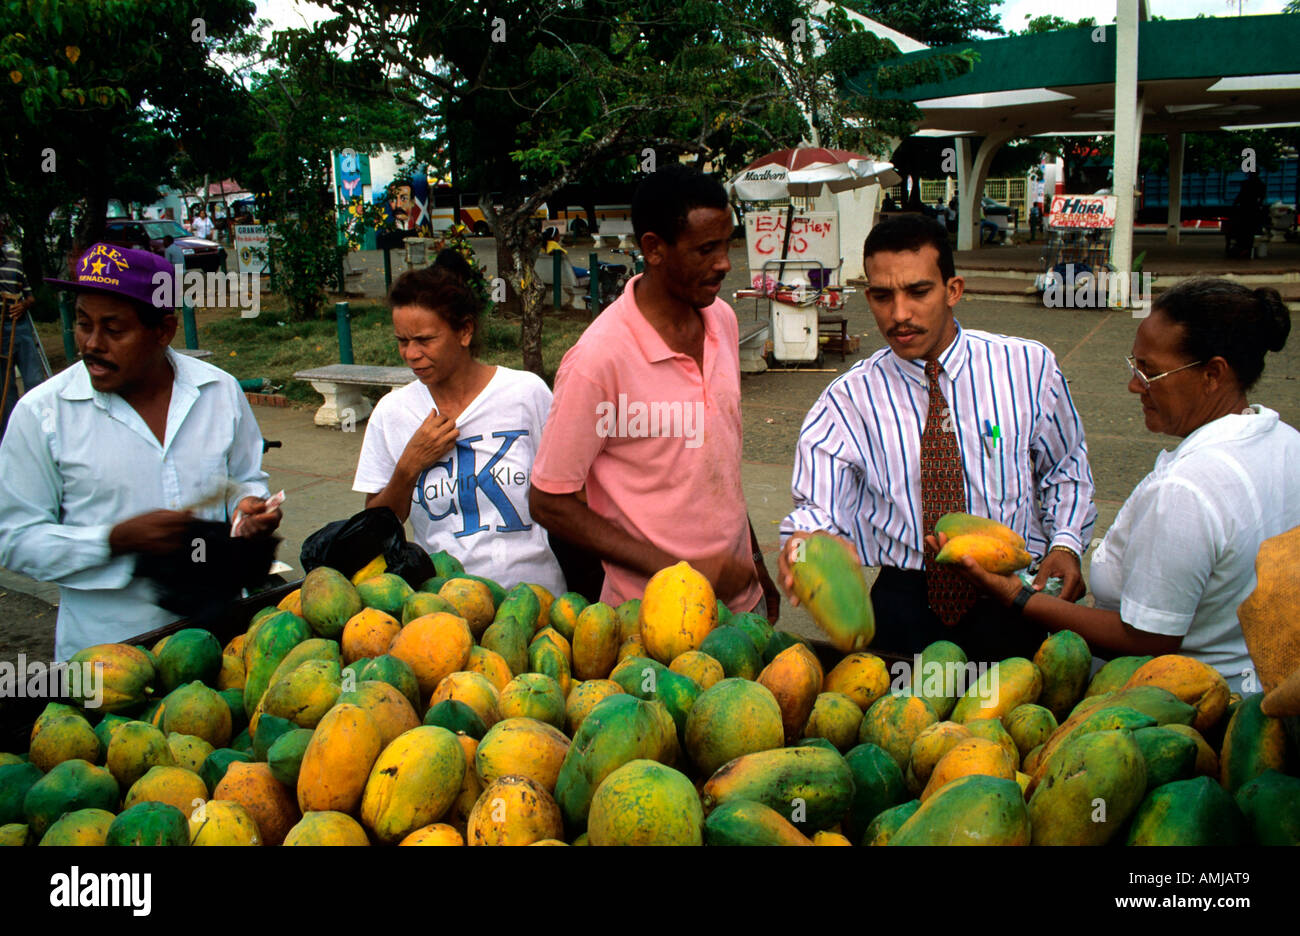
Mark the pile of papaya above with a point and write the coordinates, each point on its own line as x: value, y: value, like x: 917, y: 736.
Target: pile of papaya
x: 366, y: 711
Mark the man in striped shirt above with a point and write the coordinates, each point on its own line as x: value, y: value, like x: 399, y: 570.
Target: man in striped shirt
x: 16, y: 332
x: 1019, y: 444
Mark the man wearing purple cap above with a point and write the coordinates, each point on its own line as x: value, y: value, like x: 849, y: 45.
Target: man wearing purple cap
x: 114, y: 456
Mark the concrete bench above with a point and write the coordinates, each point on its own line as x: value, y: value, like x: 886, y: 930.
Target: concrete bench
x: 572, y: 286
x: 341, y: 384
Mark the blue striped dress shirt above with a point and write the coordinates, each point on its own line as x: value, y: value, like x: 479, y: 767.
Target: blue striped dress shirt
x: 857, y: 465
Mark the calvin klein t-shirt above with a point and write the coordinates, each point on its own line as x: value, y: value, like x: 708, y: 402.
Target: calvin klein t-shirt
x: 473, y: 503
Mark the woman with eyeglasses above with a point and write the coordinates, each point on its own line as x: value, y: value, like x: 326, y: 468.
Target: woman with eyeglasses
x: 1180, y: 556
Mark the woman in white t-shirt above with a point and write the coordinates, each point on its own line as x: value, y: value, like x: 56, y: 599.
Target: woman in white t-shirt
x: 453, y: 450
x: 1180, y: 556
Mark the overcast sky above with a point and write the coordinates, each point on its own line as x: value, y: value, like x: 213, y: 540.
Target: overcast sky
x: 286, y: 13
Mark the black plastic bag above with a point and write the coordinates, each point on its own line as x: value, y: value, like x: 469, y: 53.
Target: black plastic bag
x: 201, y: 579
x: 347, y: 545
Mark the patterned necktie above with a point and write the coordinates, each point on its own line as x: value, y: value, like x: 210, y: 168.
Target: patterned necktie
x: 943, y: 490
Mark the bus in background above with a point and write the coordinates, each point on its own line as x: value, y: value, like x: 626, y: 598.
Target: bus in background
x: 609, y: 219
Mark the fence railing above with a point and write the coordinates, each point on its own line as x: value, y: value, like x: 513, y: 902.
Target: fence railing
x: 1011, y: 192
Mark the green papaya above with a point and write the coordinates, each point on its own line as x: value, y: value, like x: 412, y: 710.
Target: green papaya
x: 1169, y: 756
x: 1271, y: 805
x: 1065, y: 661
x: 809, y: 786
x: 831, y: 586
x: 878, y: 785
x: 748, y: 822
x: 1253, y: 743
x: 881, y: 830
x: 149, y: 823
x: 1188, y: 812
x: 971, y: 810
x: 1092, y: 785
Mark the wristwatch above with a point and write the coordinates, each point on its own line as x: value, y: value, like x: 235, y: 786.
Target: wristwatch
x: 1022, y: 598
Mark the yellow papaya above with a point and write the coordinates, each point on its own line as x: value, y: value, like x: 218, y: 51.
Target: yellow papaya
x: 1065, y: 662
x: 961, y: 524
x: 391, y: 711
x: 174, y: 786
x: 473, y: 689
x: 522, y: 747
x: 794, y: 677
x: 514, y: 810
x: 222, y: 822
x: 433, y: 646
x: 491, y: 665
x: 698, y: 666
x: 836, y: 718
x: 677, y: 612
x: 326, y: 827
x: 437, y: 834
x: 472, y: 601
x: 993, y: 554
x: 304, y: 695
x: 583, y: 698
x: 928, y: 749
x: 999, y: 689
x: 337, y: 762
x: 732, y: 718
x: 534, y: 695
x: 1198, y: 684
x: 1102, y: 766
x: 645, y: 803
x: 894, y: 722
x: 968, y: 757
x: 413, y: 783
x: 267, y: 800
x: 368, y: 634
x: 863, y: 677
x: 595, y: 642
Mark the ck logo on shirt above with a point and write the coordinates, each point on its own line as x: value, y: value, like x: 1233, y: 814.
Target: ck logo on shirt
x: 459, y: 481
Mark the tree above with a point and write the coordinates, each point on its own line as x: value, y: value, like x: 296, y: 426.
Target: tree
x: 934, y: 22
x: 306, y: 102
x: 529, y: 97
x: 98, y: 95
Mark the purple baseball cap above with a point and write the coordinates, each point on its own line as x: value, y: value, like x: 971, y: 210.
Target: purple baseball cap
x: 137, y: 275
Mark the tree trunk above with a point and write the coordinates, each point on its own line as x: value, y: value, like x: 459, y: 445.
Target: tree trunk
x: 515, y: 235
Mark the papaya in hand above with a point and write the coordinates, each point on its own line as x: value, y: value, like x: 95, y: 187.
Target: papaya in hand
x: 953, y: 525
x: 828, y: 581
x: 993, y: 554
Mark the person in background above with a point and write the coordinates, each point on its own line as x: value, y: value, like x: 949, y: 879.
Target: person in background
x: 172, y: 252
x: 453, y: 449
x: 657, y: 495
x: 108, y: 459
x: 942, y: 420
x: 202, y: 226
x: 16, y: 332
x: 1179, y: 559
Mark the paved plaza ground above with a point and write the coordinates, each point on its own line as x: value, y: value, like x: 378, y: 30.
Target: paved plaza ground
x: 315, y: 466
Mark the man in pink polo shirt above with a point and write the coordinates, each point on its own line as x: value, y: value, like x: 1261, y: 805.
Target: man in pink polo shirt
x: 646, y: 415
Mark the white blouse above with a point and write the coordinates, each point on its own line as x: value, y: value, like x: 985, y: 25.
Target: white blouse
x: 1180, y: 556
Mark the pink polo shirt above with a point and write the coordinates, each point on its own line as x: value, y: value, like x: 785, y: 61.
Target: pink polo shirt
x: 657, y: 444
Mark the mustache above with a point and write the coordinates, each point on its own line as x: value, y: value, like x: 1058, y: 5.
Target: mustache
x: 902, y: 330
x: 91, y: 359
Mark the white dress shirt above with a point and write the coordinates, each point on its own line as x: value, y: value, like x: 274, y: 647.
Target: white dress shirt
x: 857, y: 463
x: 75, y: 462
x: 1180, y: 556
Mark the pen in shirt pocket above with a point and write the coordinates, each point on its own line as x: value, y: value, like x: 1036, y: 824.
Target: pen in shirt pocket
x: 990, y: 438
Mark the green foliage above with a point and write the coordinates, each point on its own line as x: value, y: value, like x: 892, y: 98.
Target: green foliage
x: 934, y: 22
x: 99, y: 96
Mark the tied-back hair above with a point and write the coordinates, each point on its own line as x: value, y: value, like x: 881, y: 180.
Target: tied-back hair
x: 1220, y: 318
x: 449, y: 287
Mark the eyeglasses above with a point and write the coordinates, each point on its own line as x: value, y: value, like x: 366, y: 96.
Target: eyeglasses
x: 1148, y: 381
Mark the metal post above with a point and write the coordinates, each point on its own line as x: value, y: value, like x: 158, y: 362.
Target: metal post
x: 557, y: 275
x: 66, y: 303
x: 341, y: 276
x: 388, y: 270
x: 593, y: 282
x: 191, y: 327
x: 344, y: 322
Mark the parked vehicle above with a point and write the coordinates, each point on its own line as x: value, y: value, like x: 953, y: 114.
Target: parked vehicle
x: 148, y: 234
